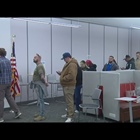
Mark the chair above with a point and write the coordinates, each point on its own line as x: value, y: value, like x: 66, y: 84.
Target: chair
x: 51, y: 78
x: 59, y: 87
x: 21, y: 84
x: 95, y: 105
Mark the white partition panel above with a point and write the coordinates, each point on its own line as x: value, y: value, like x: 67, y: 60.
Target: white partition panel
x: 39, y: 41
x: 135, y: 42
x: 111, y: 90
x: 122, y: 46
x: 96, y: 45
x: 126, y: 76
x: 61, y: 42
x: 19, y: 28
x: 110, y: 42
x: 91, y: 80
x: 137, y: 78
x: 80, y: 42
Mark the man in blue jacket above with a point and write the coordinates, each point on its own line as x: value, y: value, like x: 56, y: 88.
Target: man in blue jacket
x: 111, y: 65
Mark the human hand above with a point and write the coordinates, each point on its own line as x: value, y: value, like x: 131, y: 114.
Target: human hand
x: 46, y: 83
x: 87, y: 66
x: 122, y: 68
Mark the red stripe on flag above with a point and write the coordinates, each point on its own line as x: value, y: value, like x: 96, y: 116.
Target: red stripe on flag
x: 15, y: 88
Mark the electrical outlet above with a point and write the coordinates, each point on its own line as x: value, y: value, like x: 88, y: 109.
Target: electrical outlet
x: 112, y: 115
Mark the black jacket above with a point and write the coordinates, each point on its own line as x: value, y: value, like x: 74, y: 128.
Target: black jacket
x: 130, y: 64
x: 92, y: 67
x: 79, y: 76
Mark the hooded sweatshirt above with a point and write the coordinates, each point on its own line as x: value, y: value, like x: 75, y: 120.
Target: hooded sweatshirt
x: 69, y: 73
x: 130, y: 64
x: 92, y: 67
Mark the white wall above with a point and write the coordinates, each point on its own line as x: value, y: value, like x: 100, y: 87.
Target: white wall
x: 135, y: 42
x: 80, y: 42
x: 123, y: 39
x: 110, y: 42
x: 5, y: 35
x: 96, y: 49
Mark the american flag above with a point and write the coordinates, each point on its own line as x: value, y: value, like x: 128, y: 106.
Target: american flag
x: 15, y: 88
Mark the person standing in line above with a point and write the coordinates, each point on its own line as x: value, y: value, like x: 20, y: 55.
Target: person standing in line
x: 90, y: 66
x: 68, y: 82
x: 130, y: 63
x: 39, y: 84
x: 111, y: 65
x: 83, y: 65
x: 78, y: 87
x: 5, y: 83
x: 137, y: 61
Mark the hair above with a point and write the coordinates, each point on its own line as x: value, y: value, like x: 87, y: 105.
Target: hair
x: 3, y: 52
x: 115, y: 62
x: 111, y: 56
x: 38, y: 55
x: 83, y: 61
x: 137, y: 52
x: 113, y: 59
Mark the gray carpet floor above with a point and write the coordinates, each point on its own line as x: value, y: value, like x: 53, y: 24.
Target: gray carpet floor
x: 54, y: 110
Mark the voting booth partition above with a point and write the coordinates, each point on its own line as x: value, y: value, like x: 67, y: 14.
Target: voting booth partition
x: 114, y: 85
x: 91, y: 80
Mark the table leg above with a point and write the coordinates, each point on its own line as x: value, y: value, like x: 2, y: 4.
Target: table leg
x: 130, y: 111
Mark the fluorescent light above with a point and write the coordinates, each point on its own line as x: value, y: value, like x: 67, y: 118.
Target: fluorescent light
x: 30, y: 20
x: 136, y: 28
x: 52, y: 23
x: 66, y: 24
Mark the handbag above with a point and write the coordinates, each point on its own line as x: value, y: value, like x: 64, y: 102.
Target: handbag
x: 130, y: 92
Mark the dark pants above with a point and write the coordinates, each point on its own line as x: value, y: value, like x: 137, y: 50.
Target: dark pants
x: 5, y: 93
x: 77, y: 96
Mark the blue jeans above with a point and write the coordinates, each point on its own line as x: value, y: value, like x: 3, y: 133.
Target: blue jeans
x: 77, y: 96
x: 40, y: 96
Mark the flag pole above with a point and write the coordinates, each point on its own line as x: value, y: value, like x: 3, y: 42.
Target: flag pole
x: 13, y: 41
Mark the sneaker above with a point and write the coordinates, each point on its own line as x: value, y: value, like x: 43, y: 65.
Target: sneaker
x: 64, y: 116
x: 36, y: 115
x: 11, y: 111
x: 69, y: 120
x: 66, y: 109
x: 1, y: 120
x: 17, y: 115
x: 76, y: 111
x: 39, y: 118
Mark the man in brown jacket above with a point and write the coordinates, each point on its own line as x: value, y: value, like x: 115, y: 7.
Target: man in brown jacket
x: 68, y: 82
x: 137, y: 61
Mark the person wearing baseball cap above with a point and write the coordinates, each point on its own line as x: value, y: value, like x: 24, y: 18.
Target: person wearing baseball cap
x: 65, y: 55
x: 130, y: 62
x: 68, y: 77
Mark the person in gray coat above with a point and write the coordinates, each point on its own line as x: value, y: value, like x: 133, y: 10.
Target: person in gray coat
x: 111, y: 65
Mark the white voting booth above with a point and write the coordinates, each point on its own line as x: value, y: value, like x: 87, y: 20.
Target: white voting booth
x: 110, y: 81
